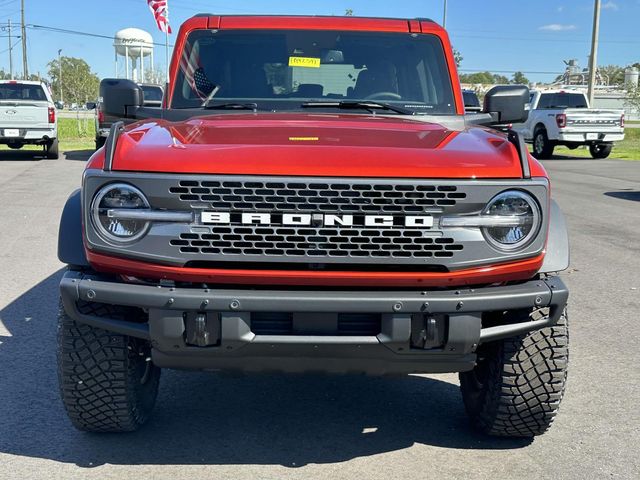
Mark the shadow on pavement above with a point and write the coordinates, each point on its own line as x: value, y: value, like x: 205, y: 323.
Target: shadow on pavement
x: 80, y: 155
x: 208, y: 419
x: 18, y: 155
x: 634, y: 196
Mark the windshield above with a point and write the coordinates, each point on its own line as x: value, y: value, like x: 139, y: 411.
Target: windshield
x: 281, y: 70
x: 562, y: 100
x: 21, y: 91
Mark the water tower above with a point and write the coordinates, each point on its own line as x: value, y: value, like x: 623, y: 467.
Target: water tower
x: 135, y: 46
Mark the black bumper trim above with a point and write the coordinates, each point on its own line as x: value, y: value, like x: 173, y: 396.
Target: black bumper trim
x: 550, y: 292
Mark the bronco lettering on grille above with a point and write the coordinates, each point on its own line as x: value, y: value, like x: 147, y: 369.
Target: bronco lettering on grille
x: 317, y: 220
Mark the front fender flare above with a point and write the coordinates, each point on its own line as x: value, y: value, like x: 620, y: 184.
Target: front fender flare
x: 558, y: 255
x: 70, y: 245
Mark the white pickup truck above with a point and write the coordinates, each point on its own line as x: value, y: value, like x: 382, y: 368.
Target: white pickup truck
x: 28, y: 116
x: 563, y: 117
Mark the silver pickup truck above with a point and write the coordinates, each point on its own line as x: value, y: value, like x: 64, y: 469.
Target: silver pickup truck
x: 28, y: 116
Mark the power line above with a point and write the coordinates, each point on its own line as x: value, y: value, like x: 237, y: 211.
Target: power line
x: 77, y: 32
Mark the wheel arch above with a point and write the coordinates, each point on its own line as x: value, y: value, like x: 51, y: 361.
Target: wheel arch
x: 70, y: 244
x: 557, y: 257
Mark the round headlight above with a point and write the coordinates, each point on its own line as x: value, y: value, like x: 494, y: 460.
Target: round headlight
x: 109, y: 213
x: 517, y: 218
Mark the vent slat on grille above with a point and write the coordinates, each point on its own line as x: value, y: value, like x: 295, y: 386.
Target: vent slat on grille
x: 317, y: 197
x: 317, y: 242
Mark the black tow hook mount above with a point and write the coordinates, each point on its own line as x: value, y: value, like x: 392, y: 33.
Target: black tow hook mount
x: 202, y: 329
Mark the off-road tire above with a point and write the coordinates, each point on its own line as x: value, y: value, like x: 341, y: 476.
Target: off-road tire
x: 600, y: 150
x: 107, y: 382
x: 516, y: 387
x: 52, y: 149
x: 542, y: 146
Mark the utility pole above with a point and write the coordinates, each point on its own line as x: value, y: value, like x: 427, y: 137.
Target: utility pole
x: 25, y: 68
x: 593, y: 58
x: 60, y: 74
x: 444, y: 15
x: 10, y: 51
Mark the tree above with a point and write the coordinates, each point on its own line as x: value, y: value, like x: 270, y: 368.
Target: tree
x: 519, y: 79
x: 457, y: 57
x: 633, y: 98
x: 613, y: 73
x: 79, y: 83
x: 349, y: 12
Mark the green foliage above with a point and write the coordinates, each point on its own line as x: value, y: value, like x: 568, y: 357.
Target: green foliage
x: 613, y: 73
x: 458, y: 57
x: 349, y: 12
x: 77, y: 128
x: 633, y: 97
x: 485, y: 78
x: 519, y: 79
x: 79, y: 83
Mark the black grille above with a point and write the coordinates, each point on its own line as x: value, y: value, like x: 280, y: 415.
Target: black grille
x: 341, y: 324
x: 351, y: 242
x: 291, y: 196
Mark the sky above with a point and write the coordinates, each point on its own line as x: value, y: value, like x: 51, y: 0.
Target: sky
x: 501, y: 36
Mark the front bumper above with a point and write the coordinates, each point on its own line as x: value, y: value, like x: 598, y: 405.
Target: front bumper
x: 239, y: 348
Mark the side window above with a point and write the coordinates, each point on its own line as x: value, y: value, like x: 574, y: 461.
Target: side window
x: 546, y: 100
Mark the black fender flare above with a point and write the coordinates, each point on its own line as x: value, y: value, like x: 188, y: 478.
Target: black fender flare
x: 70, y: 245
x: 557, y: 256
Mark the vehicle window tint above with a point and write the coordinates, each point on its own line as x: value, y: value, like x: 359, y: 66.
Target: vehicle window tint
x: 20, y: 91
x: 282, y: 69
x: 470, y: 99
x: 152, y: 94
x: 562, y: 100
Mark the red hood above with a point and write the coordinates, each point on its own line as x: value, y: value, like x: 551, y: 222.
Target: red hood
x: 315, y: 145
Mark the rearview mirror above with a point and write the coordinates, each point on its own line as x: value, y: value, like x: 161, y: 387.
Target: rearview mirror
x: 507, y: 104
x: 120, y: 97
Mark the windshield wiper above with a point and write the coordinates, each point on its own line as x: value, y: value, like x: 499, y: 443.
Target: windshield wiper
x: 232, y: 106
x: 359, y: 105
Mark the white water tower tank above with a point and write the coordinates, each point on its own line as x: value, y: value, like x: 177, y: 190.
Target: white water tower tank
x: 134, y: 45
x: 631, y: 76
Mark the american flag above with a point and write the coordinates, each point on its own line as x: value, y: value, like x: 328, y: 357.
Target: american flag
x: 160, y: 10
x: 194, y: 73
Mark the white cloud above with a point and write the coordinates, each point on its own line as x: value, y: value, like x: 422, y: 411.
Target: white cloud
x: 610, y: 5
x: 560, y: 9
x: 557, y: 27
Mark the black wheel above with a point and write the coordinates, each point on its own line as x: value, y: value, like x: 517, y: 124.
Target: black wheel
x: 107, y: 381
x: 517, y: 385
x: 542, y: 147
x: 600, y: 150
x: 100, y: 141
x: 52, y: 149
x: 15, y: 146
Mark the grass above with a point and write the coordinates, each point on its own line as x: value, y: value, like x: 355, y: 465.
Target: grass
x: 628, y: 149
x: 73, y: 134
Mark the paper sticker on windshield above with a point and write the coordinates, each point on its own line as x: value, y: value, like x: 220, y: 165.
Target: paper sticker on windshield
x: 305, y: 62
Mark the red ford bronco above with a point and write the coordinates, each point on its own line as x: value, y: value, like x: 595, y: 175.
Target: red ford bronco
x: 312, y: 197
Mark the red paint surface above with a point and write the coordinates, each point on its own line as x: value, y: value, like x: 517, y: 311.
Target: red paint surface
x: 315, y: 145
x: 515, y: 271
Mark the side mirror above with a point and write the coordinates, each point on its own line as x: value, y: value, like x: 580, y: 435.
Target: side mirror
x: 507, y: 104
x: 120, y: 97
x: 91, y: 106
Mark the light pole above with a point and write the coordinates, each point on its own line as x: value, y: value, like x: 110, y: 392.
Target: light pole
x: 60, y: 75
x: 444, y: 15
x: 593, y: 58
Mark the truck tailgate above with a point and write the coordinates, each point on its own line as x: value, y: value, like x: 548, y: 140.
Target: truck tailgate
x: 24, y: 114
x: 600, y: 119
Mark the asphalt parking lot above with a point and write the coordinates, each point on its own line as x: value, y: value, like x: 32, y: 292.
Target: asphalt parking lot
x: 208, y: 426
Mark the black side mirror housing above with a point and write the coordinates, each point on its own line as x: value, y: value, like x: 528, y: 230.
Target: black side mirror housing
x: 120, y: 97
x: 507, y: 104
